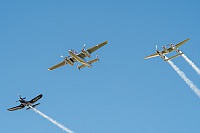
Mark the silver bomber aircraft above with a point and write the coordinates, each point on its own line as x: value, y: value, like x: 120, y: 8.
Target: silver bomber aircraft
x: 168, y: 50
x: 79, y: 57
x: 26, y: 103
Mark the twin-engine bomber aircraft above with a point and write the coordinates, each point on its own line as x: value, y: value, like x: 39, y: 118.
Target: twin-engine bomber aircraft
x: 26, y: 103
x: 168, y: 50
x: 80, y: 57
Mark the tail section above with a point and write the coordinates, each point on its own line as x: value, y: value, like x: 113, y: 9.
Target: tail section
x: 90, y: 62
x: 173, y: 56
x: 33, y: 106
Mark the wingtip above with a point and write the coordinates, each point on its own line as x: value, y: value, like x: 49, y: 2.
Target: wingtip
x: 9, y: 110
x: 187, y: 39
x: 105, y: 42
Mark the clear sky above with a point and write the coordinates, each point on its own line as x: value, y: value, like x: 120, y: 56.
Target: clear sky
x: 122, y: 93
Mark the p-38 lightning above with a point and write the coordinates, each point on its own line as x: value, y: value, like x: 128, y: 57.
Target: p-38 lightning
x: 80, y: 57
x: 26, y: 103
x: 168, y: 50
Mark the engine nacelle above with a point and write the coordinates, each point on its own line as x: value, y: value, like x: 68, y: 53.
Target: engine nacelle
x: 69, y: 61
x: 86, y: 53
x: 165, y: 49
x: 175, y: 48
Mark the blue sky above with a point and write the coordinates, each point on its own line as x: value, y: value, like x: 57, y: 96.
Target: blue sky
x: 122, y: 92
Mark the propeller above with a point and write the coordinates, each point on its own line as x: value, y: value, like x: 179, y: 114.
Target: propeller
x: 63, y: 58
x: 156, y: 48
x: 84, y: 47
x: 78, y: 66
x: 97, y: 57
x: 21, y: 97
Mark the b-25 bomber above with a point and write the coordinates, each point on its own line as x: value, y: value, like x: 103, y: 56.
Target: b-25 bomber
x: 80, y: 57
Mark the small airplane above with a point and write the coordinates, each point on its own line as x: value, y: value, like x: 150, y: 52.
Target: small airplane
x: 26, y: 103
x: 80, y: 57
x: 168, y: 50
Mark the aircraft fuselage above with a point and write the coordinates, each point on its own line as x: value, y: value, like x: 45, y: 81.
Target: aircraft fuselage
x: 175, y: 48
x: 165, y: 49
x: 160, y: 54
x: 74, y: 55
x: 28, y: 104
x: 25, y: 103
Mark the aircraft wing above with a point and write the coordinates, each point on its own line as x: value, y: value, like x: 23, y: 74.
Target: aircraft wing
x: 151, y: 56
x: 63, y: 63
x: 35, y: 99
x: 179, y: 44
x: 16, y: 108
x: 92, y: 49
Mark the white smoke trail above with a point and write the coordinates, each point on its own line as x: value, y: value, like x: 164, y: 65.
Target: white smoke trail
x: 53, y: 121
x: 191, y: 64
x: 187, y: 80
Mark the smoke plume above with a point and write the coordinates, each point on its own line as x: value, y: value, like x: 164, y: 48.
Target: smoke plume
x: 191, y: 63
x: 53, y: 121
x: 187, y: 80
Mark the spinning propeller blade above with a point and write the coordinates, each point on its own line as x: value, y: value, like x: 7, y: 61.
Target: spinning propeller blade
x: 78, y: 66
x: 21, y: 97
x: 97, y: 57
x: 84, y: 47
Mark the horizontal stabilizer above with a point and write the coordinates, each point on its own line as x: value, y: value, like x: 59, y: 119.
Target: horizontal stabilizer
x: 33, y: 106
x: 173, y: 57
x: 90, y: 62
